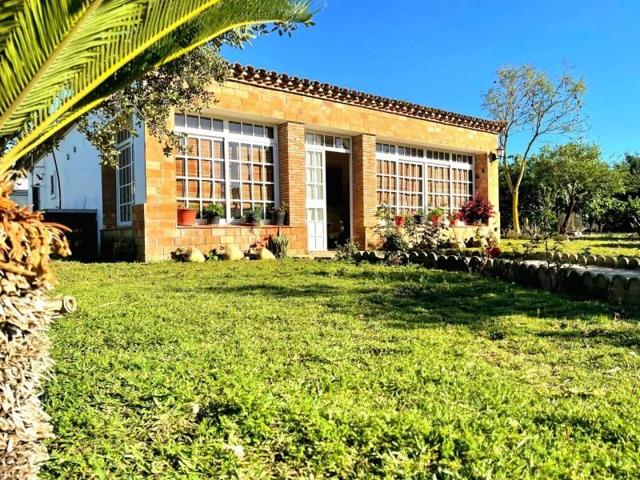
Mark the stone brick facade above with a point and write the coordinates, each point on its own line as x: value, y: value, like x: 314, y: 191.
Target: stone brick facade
x: 364, y: 188
x: 291, y: 156
x: 154, y: 225
x: 207, y: 237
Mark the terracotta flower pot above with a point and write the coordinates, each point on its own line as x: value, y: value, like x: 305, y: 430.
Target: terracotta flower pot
x: 436, y: 220
x: 187, y: 216
x: 399, y: 221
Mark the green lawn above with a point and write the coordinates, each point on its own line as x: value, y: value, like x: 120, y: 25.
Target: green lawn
x: 598, y: 244
x: 302, y: 369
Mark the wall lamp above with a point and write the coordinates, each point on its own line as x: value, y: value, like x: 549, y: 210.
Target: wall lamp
x: 499, y: 155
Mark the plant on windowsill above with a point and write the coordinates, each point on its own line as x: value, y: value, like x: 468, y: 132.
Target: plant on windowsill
x: 279, y: 213
x: 457, y: 219
x: 187, y: 216
x: 435, y: 214
x: 477, y: 211
x: 253, y: 216
x: 420, y: 217
x: 213, y: 213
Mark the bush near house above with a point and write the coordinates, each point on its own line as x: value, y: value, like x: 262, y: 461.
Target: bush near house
x: 298, y: 369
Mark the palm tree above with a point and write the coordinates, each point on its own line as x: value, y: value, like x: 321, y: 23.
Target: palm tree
x: 60, y: 58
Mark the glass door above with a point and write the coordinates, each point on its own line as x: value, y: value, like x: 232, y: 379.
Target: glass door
x: 316, y: 200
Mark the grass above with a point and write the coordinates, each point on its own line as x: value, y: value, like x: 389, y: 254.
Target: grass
x: 300, y: 369
x: 597, y: 244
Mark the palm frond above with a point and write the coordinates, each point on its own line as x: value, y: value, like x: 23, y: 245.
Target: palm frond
x: 61, y: 57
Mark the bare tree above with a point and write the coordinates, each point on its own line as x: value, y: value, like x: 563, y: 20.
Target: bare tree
x: 530, y: 103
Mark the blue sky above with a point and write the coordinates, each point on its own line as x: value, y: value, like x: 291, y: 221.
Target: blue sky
x: 444, y: 53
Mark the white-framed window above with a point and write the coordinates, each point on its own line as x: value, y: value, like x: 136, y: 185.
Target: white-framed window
x: 228, y: 162
x: 200, y: 173
x: 411, y: 178
x: 124, y: 179
x: 330, y: 142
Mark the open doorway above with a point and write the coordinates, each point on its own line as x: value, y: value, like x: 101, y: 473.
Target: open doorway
x: 338, y: 199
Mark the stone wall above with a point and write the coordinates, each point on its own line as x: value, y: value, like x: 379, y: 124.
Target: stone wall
x: 578, y: 281
x: 118, y: 244
x: 208, y: 237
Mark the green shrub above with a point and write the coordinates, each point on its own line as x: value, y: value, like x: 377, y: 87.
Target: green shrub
x: 346, y: 252
x: 278, y: 245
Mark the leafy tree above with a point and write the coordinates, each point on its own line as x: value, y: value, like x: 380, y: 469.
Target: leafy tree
x: 633, y: 213
x: 537, y: 201
x: 577, y: 175
x: 530, y: 103
x: 630, y: 167
x: 60, y: 59
x: 183, y: 84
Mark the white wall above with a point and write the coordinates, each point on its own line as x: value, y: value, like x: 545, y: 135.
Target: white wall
x: 139, y: 170
x: 20, y: 193
x: 81, y: 175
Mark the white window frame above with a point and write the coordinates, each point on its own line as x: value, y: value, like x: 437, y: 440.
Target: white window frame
x: 125, y: 144
x: 419, y: 155
x: 200, y: 199
x: 317, y: 141
x: 228, y: 137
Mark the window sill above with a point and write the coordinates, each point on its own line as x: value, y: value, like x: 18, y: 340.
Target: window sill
x: 231, y: 225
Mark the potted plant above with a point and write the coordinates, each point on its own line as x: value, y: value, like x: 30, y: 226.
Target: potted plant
x: 253, y: 216
x: 279, y: 213
x: 187, y: 216
x: 420, y: 217
x: 213, y: 213
x: 477, y: 211
x: 400, y: 220
x: 457, y: 219
x: 435, y: 214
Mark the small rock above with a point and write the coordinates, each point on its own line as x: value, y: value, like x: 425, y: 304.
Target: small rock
x: 232, y: 252
x: 190, y: 254
x: 195, y: 255
x: 265, y: 254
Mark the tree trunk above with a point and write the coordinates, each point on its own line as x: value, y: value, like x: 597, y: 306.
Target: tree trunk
x: 567, y: 216
x: 515, y: 196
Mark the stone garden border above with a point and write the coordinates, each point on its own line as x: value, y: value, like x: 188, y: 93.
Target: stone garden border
x: 609, y: 261
x: 563, y: 278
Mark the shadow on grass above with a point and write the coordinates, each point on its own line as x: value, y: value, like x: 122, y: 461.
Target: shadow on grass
x: 419, y: 298
x: 627, y: 338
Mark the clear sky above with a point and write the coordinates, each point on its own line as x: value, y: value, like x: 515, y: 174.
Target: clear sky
x: 444, y: 53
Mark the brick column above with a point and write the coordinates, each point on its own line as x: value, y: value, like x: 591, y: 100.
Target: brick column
x: 159, y: 220
x: 364, y: 188
x: 487, y: 175
x: 292, y: 171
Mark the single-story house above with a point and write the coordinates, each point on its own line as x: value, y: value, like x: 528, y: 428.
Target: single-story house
x: 333, y: 155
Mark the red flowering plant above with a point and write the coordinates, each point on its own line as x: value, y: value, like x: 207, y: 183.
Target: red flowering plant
x: 477, y: 211
x: 457, y: 218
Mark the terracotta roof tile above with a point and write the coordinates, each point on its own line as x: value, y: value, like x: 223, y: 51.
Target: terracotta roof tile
x: 303, y: 86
